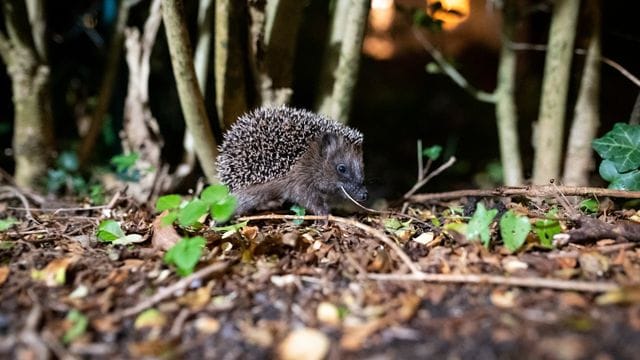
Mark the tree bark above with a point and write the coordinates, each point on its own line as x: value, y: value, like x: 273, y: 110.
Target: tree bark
x: 340, y: 76
x: 29, y: 73
x: 579, y: 160
x: 506, y: 114
x: 231, y: 94
x: 548, y: 135
x: 191, y: 98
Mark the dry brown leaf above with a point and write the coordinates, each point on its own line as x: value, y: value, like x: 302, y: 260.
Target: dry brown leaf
x: 304, y: 344
x: 196, y: 300
x: 249, y: 232
x: 55, y: 273
x: 4, y: 274
x: 152, y: 348
x: 164, y: 236
x: 354, y: 336
x: 328, y: 313
x: 207, y: 325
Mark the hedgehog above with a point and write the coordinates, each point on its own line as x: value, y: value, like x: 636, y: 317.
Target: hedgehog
x: 275, y: 155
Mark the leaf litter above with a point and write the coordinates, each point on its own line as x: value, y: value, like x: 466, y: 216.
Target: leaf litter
x: 276, y: 289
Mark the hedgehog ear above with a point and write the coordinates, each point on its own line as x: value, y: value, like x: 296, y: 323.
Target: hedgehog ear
x: 328, y: 141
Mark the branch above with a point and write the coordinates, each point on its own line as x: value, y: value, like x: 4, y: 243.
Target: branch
x: 530, y: 191
x: 529, y: 282
x: 541, y: 47
x: 172, y: 289
x: 451, y: 71
x: 5, y: 50
x: 435, y: 172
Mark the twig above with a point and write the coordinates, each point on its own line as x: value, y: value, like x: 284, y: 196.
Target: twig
x: 613, y: 64
x: 529, y: 282
x: 451, y: 71
x: 435, y: 173
x: 366, y: 228
x: 170, y: 290
x: 531, y: 191
x: 22, y: 199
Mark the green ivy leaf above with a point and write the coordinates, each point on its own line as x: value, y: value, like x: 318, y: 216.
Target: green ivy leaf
x: 185, y: 254
x: 299, y: 211
x: 479, y: 224
x: 6, y: 224
x: 215, y: 193
x: 124, y: 162
x: 222, y: 211
x: 627, y: 181
x: 79, y: 323
x: 190, y: 214
x: 547, y: 228
x: 432, y: 152
x: 514, y: 230
x: 620, y: 145
x: 109, y: 230
x: 608, y: 170
x: 589, y: 206
x: 166, y: 202
x: 169, y: 218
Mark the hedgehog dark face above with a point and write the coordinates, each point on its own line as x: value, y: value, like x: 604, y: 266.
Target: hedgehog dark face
x: 343, y: 163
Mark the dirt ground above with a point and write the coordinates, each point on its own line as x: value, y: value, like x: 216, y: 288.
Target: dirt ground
x: 277, y: 289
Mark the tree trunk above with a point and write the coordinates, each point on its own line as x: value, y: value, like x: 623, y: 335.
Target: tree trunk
x: 191, y: 99
x: 231, y: 94
x: 506, y: 114
x: 579, y: 160
x: 33, y: 125
x: 341, y: 73
x: 548, y: 134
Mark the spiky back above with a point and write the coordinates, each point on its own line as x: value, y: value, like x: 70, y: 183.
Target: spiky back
x: 264, y: 144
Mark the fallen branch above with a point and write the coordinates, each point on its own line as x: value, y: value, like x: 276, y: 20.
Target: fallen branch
x: 528, y: 282
x: 171, y: 290
x: 530, y: 191
x: 366, y: 228
x: 590, y: 229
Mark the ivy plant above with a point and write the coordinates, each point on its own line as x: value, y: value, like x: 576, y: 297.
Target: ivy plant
x: 185, y: 254
x: 215, y: 200
x: 620, y: 151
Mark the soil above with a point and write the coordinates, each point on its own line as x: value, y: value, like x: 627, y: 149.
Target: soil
x: 274, y: 283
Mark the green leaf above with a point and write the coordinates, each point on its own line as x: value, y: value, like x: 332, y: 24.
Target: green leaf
x: 299, y: 211
x: 79, y: 323
x: 169, y: 218
x: 96, y: 194
x: 589, y: 206
x: 547, y: 228
x: 479, y: 224
x: 109, y: 230
x: 166, y: 202
x: 514, y: 230
x: 620, y: 145
x: 185, y: 254
x: 629, y: 181
x: 124, y: 162
x: 214, y: 193
x: 6, y: 224
x: 432, y: 152
x: 608, y: 170
x: 190, y: 214
x: 222, y: 211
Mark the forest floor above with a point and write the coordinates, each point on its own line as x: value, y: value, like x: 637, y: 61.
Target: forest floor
x: 363, y: 287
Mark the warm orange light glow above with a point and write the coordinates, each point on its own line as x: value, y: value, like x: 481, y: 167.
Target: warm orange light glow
x: 450, y: 12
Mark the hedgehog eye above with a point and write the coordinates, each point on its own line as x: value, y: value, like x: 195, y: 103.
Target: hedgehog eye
x: 342, y: 168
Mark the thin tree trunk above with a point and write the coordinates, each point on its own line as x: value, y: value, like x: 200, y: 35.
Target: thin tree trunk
x: 191, y: 98
x: 548, y: 135
x: 506, y: 114
x: 231, y: 94
x: 579, y: 160
x: 29, y: 72
x: 339, y: 80
x: 106, y: 88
